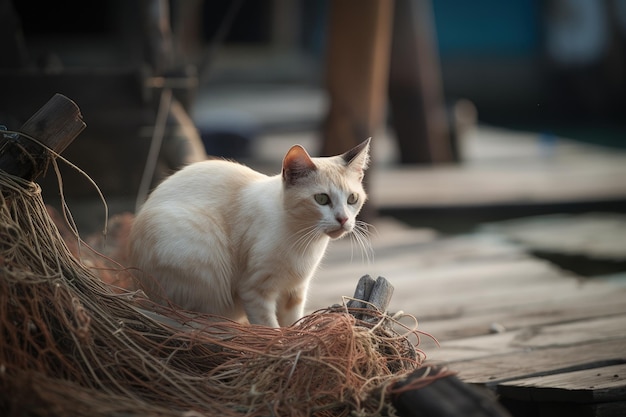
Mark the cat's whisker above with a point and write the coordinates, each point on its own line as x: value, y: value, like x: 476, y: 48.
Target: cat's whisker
x: 367, y: 228
x: 357, y: 237
x: 361, y: 234
x: 304, y: 237
x: 354, y: 237
x: 367, y: 234
x: 307, y: 239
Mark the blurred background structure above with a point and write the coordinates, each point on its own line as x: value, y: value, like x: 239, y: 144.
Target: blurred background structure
x: 417, y: 75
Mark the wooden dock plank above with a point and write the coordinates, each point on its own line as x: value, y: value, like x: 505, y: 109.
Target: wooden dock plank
x: 587, y: 302
x: 564, y: 409
x: 584, y: 331
x: 500, y: 166
x: 501, y: 315
x: 525, y: 363
x: 402, y: 259
x: 595, y: 235
x: 574, y: 333
x: 454, y: 186
x: 601, y: 384
x: 453, y: 289
x: 460, y: 287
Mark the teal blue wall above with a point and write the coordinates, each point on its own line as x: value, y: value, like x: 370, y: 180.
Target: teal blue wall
x: 507, y: 27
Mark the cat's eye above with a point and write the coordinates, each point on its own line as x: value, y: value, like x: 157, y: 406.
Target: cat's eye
x: 322, y: 199
x: 353, y: 198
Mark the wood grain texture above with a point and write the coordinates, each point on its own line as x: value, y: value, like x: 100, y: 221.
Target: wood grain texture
x: 504, y: 318
x: 601, y: 384
x: 55, y: 125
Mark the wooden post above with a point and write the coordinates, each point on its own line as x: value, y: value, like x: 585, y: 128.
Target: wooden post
x: 415, y: 89
x: 55, y: 125
x: 371, y: 294
x: 357, y: 76
x: 357, y: 71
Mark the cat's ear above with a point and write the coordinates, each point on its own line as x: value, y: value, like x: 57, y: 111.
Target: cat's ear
x: 358, y: 158
x: 297, y: 164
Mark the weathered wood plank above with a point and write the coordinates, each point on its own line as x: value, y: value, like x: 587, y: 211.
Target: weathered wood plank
x: 501, y: 314
x: 590, y: 244
x: 528, y: 363
x: 538, y: 336
x: 421, y: 292
x: 559, y: 409
x: 405, y: 256
x: 596, y: 235
x: 460, y: 287
x: 500, y: 166
x: 443, y: 287
x: 575, y: 333
x: 467, y: 186
x: 572, y: 304
x: 601, y: 384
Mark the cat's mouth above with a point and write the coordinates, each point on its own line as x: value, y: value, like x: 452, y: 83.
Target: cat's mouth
x: 337, y: 233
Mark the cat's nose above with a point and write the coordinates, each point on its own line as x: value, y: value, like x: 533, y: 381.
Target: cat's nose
x: 341, y: 220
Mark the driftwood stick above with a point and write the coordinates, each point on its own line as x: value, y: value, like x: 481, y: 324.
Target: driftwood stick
x: 377, y: 294
x: 55, y: 125
x: 380, y: 296
x: 362, y: 292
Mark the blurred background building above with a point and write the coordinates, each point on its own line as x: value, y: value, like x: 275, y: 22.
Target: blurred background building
x: 241, y: 69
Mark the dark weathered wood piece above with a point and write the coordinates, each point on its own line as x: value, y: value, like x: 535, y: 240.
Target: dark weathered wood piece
x: 362, y: 292
x: 56, y: 124
x: 444, y: 397
x: 380, y: 296
x: 371, y: 294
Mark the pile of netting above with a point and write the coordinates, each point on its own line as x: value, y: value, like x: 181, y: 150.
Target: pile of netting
x: 71, y: 345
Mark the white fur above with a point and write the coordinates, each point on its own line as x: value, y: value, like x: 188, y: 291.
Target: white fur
x: 221, y: 238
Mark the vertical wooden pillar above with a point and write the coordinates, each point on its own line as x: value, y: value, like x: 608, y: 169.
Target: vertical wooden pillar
x: 416, y: 98
x: 357, y: 71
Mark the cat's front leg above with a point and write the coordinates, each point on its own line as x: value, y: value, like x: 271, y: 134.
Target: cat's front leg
x: 260, y: 305
x: 290, y: 307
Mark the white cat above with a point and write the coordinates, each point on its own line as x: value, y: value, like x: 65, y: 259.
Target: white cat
x: 221, y: 238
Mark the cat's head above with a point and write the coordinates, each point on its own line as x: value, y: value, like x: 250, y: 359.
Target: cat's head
x: 325, y: 195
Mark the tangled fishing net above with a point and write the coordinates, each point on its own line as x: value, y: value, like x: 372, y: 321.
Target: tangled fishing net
x: 70, y: 344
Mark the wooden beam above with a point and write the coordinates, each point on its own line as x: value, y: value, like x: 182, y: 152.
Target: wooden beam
x: 357, y: 71
x: 416, y: 98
